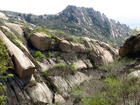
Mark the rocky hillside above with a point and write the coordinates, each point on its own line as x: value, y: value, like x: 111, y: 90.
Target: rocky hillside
x: 47, y: 64
x: 80, y: 21
x: 41, y: 66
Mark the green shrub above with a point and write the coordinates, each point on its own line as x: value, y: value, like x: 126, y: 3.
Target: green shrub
x: 89, y: 50
x: 44, y: 72
x: 73, y: 67
x: 117, y: 66
x: 98, y: 100
x: 109, y: 96
x: 115, y: 88
x: 38, y: 55
x: 60, y: 66
x: 51, y: 54
x: 74, y: 39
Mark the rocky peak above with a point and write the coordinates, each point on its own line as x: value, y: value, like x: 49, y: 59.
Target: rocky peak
x: 88, y: 17
x: 82, y: 15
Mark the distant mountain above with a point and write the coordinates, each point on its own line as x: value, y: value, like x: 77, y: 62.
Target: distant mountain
x: 79, y: 21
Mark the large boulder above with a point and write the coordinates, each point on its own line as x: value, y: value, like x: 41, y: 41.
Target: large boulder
x: 23, y: 65
x: 65, y: 46
x: 101, y: 56
x: 40, y: 41
x: 131, y: 47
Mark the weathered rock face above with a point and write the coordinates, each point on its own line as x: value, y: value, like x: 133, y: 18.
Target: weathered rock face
x: 40, y: 93
x: 40, y: 41
x: 131, y: 47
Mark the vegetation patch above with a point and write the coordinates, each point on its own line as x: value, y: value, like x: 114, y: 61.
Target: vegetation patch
x: 119, y: 65
x: 115, y: 91
x: 73, y: 67
x: 44, y: 30
x: 115, y: 87
x: 38, y: 55
x: 75, y: 39
x: 50, y: 55
x: 4, y: 66
x: 60, y: 66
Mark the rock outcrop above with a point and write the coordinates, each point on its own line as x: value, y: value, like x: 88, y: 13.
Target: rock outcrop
x: 131, y: 47
x: 100, y: 52
x: 40, y: 41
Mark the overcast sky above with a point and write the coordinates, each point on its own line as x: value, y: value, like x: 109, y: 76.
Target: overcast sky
x: 125, y: 11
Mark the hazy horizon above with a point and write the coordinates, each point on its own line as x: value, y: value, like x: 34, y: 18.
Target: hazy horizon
x: 124, y: 11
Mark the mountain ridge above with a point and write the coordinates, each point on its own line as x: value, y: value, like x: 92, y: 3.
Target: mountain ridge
x: 79, y: 21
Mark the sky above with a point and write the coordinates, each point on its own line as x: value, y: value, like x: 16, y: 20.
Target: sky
x: 125, y: 11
